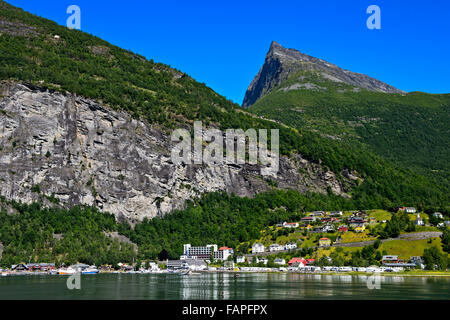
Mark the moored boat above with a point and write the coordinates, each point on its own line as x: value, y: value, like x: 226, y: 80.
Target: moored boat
x: 90, y: 270
x: 66, y: 271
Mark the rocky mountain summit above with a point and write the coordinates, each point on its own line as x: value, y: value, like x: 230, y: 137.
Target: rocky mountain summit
x: 73, y: 150
x: 281, y: 62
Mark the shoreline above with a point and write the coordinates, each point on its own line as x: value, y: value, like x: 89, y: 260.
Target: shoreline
x: 237, y: 272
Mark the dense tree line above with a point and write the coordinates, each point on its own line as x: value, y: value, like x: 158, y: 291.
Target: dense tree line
x: 32, y: 233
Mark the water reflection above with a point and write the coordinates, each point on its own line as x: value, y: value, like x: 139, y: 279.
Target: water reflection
x: 215, y: 286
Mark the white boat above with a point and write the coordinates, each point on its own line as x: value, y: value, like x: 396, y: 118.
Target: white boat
x: 68, y: 270
x: 90, y: 270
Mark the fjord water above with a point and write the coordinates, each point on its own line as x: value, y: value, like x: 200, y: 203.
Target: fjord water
x: 223, y: 286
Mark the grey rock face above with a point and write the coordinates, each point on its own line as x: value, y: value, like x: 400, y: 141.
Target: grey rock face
x: 280, y: 63
x: 84, y: 153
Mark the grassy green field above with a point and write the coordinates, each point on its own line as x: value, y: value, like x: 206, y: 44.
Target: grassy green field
x: 349, y: 237
x: 406, y: 249
x: 380, y: 215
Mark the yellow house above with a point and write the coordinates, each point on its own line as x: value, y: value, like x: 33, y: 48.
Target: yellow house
x: 309, y: 227
x: 324, y: 242
x: 360, y: 228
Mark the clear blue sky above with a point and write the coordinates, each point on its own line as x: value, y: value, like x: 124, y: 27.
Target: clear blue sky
x: 223, y: 43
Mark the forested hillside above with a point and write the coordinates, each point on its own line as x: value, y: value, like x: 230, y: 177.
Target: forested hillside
x: 409, y: 129
x: 86, y: 65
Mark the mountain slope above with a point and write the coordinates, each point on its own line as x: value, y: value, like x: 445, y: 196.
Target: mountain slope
x: 85, y: 122
x: 281, y: 63
x: 410, y: 129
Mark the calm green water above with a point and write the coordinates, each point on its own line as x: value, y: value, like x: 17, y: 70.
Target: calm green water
x: 223, y: 286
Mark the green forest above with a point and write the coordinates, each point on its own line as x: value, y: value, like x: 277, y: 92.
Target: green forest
x: 33, y: 233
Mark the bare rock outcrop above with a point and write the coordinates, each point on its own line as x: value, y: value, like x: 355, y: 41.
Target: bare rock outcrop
x: 81, y: 152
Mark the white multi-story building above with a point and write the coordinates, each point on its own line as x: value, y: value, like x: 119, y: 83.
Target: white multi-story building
x: 201, y: 252
x: 290, y: 224
x: 279, y: 261
x: 223, y: 253
x: 258, y: 248
x: 240, y: 259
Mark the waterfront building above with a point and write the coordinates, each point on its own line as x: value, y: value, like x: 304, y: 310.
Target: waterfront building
x: 200, y: 252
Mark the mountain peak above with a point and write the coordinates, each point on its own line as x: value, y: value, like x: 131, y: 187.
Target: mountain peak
x: 281, y: 62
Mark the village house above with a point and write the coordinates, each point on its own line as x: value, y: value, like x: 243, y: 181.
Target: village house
x: 194, y: 264
x: 356, y: 220
x: 336, y: 214
x: 290, y: 224
x: 419, y: 221
x: 240, y: 259
x: 40, y: 266
x: 328, y: 228
x: 324, y: 242
x: 438, y: 215
x: 359, y: 227
x: 308, y: 219
x: 343, y: 229
x: 290, y: 246
x: 19, y: 267
x: 258, y: 248
x: 417, y: 261
x: 389, y: 259
x: 297, y: 262
x: 223, y: 253
x: 360, y: 213
x: 275, y: 247
x: 318, y: 229
x: 279, y: 261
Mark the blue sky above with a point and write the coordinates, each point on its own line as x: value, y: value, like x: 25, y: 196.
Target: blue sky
x: 223, y: 43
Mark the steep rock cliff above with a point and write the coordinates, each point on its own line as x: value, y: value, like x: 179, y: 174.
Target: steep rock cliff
x: 65, y: 147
